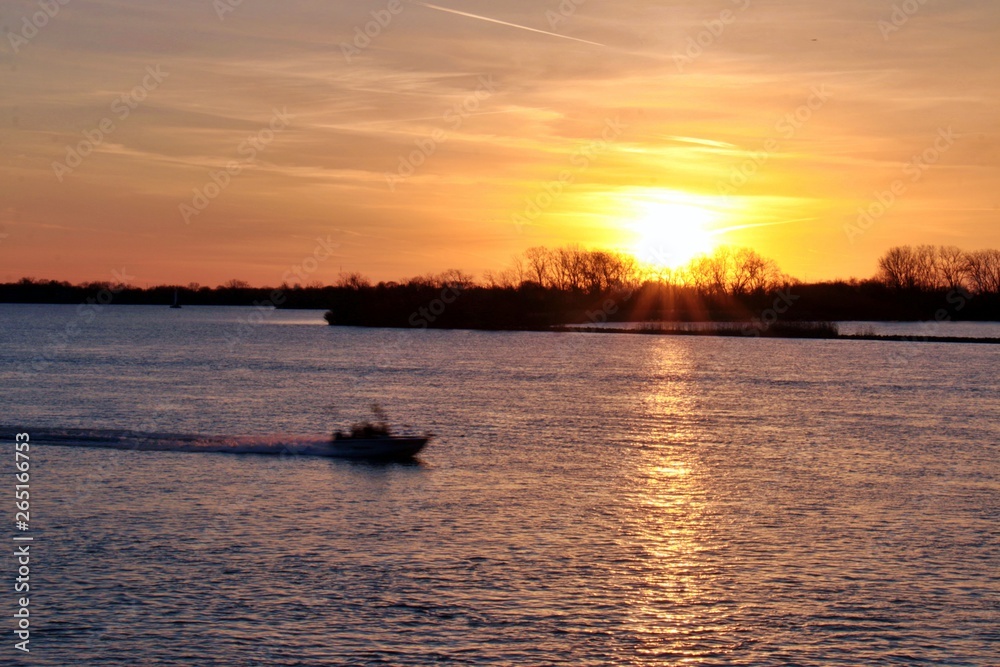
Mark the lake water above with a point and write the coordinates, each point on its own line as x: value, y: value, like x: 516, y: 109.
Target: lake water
x: 925, y: 329
x: 589, y: 499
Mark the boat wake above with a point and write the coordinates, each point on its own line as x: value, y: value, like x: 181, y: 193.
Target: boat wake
x: 172, y: 442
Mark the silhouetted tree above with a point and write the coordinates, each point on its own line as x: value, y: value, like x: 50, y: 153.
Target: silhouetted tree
x: 353, y: 281
x: 539, y: 266
x: 899, y: 268
x: 752, y: 273
x: 982, y: 268
x: 951, y: 267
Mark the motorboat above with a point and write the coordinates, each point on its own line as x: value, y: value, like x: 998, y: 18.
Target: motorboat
x: 373, y: 440
x: 374, y: 447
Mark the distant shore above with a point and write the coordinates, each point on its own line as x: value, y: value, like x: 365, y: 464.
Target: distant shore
x: 816, y: 331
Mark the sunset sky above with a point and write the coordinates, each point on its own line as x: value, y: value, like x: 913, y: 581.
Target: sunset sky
x: 446, y: 140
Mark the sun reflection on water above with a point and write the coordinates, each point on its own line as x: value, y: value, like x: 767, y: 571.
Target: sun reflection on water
x: 673, y: 581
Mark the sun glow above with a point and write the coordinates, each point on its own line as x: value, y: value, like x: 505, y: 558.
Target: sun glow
x: 672, y: 228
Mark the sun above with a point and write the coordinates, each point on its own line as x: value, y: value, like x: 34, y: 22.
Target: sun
x: 669, y: 230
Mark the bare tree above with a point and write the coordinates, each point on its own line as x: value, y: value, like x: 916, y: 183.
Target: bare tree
x: 658, y: 273
x: 951, y: 267
x: 570, y: 268
x: 698, y: 274
x: 539, y: 266
x: 454, y: 278
x: 626, y: 269
x: 594, y: 267
x: 751, y: 272
x: 720, y: 270
x: 497, y: 279
x: 898, y: 268
x: 353, y: 281
x: 926, y: 267
x: 517, y: 273
x: 983, y: 271
x: 424, y: 281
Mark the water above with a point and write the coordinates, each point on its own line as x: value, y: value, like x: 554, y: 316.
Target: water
x: 589, y: 500
x: 925, y: 329
x: 928, y: 328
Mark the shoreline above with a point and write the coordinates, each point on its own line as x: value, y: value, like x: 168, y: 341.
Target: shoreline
x: 801, y: 334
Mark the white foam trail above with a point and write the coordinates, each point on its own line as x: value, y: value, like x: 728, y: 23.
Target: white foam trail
x: 176, y: 442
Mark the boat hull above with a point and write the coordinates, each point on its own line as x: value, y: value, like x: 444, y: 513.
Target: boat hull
x: 373, y: 448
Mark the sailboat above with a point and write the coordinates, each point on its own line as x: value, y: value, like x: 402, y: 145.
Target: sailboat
x: 177, y: 300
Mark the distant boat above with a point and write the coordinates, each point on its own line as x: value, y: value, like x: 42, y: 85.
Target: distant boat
x: 393, y: 447
x: 177, y: 300
x: 372, y: 440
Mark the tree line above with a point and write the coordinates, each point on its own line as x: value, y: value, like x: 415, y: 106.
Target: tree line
x: 546, y: 286
x: 929, y: 268
x: 728, y: 270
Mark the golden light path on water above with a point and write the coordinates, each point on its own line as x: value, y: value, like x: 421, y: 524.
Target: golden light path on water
x: 672, y: 582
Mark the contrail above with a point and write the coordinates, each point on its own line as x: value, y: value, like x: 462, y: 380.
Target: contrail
x: 752, y: 225
x: 512, y: 25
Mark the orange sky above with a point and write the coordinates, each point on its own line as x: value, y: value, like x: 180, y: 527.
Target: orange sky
x: 446, y: 140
